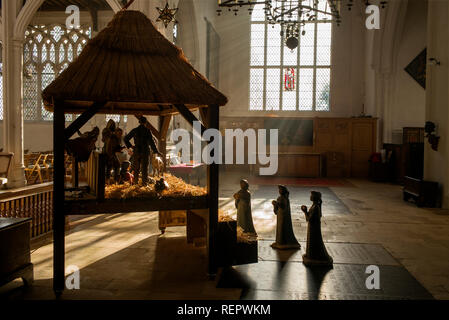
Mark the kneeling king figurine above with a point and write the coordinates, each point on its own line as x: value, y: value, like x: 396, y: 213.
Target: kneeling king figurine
x: 316, y: 253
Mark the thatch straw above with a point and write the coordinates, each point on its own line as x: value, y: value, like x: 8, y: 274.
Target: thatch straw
x: 130, y: 62
x: 177, y: 189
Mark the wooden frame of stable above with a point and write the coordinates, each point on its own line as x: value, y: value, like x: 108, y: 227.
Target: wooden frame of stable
x: 63, y: 208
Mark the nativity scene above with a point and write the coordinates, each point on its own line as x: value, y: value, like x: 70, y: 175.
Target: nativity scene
x: 165, y: 149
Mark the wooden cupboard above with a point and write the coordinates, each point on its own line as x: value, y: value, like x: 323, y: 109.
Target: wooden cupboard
x: 333, y: 141
x: 341, y: 147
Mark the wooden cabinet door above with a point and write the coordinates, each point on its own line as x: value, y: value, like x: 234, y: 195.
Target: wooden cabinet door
x: 333, y: 141
x: 324, y: 134
x: 363, y: 135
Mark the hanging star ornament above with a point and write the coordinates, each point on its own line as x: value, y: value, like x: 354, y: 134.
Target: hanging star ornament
x: 167, y: 15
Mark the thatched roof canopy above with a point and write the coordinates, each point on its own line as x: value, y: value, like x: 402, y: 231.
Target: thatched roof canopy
x: 135, y: 69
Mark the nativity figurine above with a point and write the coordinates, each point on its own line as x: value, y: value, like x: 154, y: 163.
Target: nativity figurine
x: 161, y: 185
x: 80, y: 148
x: 111, y: 137
x: 158, y: 165
x: 243, y: 205
x: 143, y: 142
x: 285, y: 237
x: 316, y: 253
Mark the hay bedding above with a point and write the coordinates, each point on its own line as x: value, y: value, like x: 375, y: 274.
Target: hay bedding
x: 242, y: 236
x: 178, y: 188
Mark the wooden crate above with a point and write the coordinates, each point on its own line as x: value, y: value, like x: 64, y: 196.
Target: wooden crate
x: 95, y: 169
x: 231, y: 252
x: 172, y: 218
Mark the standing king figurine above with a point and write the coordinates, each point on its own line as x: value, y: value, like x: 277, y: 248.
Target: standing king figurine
x: 285, y: 237
x: 243, y: 205
x: 316, y: 253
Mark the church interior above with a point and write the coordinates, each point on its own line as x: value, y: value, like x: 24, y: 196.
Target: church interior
x: 224, y: 150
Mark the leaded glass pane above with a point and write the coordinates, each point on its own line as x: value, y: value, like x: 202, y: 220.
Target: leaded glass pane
x: 258, y: 13
x: 26, y: 53
x: 75, y: 38
x: 115, y: 117
x: 257, y: 44
x: 290, y: 57
x: 289, y: 91
x: 57, y: 33
x: 63, y: 67
x: 70, y: 53
x: 30, y: 94
x: 48, y: 75
x: 306, y: 89
x: 256, y: 89
x: 322, y: 89
x: 324, y: 7
x: 274, y: 45
x: 307, y: 49
x: 52, y: 53
x: 52, y: 50
x: 323, y: 55
x: 273, y: 89
x: 44, y: 53
x: 79, y: 49
x: 61, y: 53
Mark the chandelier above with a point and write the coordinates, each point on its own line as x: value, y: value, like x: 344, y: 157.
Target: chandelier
x: 287, y: 11
x: 292, y: 14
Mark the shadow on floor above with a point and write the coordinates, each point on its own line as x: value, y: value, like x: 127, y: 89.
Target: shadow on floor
x: 158, y: 267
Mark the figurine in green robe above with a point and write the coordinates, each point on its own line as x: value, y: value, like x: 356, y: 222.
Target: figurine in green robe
x: 285, y: 237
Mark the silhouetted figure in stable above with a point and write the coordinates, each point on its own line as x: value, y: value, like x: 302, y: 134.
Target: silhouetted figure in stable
x: 80, y: 148
x: 243, y: 205
x: 111, y: 139
x: 316, y: 253
x: 285, y: 238
x: 143, y: 141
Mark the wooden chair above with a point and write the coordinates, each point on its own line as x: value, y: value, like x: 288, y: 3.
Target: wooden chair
x: 34, y: 168
x: 5, y: 164
x: 48, y: 163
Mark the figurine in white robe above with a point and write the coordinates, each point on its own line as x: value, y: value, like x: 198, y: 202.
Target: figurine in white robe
x: 243, y: 205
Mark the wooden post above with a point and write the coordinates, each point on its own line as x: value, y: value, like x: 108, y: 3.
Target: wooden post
x: 164, y: 123
x: 212, y: 190
x: 58, y: 199
x: 76, y: 173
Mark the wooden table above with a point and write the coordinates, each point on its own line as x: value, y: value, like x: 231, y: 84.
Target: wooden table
x: 15, y: 258
x: 190, y: 173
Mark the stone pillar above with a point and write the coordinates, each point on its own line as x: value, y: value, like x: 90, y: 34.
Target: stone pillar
x: 436, y: 163
x: 12, y: 93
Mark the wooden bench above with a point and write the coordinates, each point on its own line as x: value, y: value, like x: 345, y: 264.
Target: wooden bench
x: 424, y: 193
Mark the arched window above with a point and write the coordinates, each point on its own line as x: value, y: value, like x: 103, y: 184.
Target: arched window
x: 48, y: 50
x: 290, y: 80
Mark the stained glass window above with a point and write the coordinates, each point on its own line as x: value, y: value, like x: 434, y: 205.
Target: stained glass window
x: 290, y: 80
x: 47, y: 51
